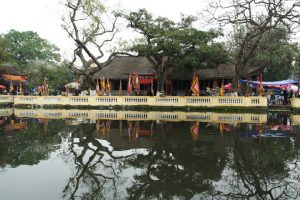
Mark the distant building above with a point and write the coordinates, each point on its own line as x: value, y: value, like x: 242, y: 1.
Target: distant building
x: 180, y: 79
x: 11, y: 77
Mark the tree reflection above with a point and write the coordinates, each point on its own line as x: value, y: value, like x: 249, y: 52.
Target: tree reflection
x: 175, y: 167
x: 29, y: 146
x: 97, y: 168
x: 263, y: 171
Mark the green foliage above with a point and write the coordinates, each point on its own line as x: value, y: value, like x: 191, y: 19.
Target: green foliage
x: 55, y: 74
x: 180, y: 42
x: 36, y: 57
x: 25, y: 47
x: 4, y: 54
x: 280, y: 52
x: 168, y: 44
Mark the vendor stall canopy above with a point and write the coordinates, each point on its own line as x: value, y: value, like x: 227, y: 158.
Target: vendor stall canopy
x: 271, y: 83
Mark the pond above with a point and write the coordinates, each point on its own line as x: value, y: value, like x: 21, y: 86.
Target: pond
x: 85, y: 158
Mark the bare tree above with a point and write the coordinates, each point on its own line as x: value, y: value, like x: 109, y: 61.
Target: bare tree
x: 92, y: 28
x: 253, y: 19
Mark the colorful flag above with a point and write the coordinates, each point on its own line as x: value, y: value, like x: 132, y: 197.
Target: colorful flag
x: 129, y: 90
x: 137, y: 84
x: 20, y: 87
x: 195, y: 85
x: 108, y: 86
x: 222, y: 88
x: 261, y: 89
x: 152, y: 89
x: 11, y: 87
x: 97, y: 85
x: 102, y: 84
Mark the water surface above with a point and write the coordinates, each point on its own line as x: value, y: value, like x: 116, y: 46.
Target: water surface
x: 199, y: 158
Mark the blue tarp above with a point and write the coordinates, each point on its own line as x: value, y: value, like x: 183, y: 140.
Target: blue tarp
x: 273, y: 83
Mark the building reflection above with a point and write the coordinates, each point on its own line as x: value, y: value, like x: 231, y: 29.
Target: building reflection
x: 161, y: 159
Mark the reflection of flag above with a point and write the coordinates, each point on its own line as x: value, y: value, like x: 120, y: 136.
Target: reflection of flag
x: 129, y: 129
x: 129, y: 90
x: 222, y: 88
x: 195, y: 85
x: 195, y: 131
x: 221, y: 127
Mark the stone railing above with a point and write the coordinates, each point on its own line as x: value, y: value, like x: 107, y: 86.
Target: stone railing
x: 141, y: 115
x: 173, y: 101
x: 6, y: 112
x: 295, y: 103
x: 6, y: 99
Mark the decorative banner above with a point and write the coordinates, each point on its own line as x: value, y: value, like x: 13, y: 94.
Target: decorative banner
x: 108, y: 86
x: 135, y: 83
x: 129, y: 89
x: 14, y: 77
x: 102, y: 84
x: 97, y: 85
x: 11, y: 87
x: 261, y: 89
x: 20, y: 87
x: 222, y: 88
x: 152, y: 89
x: 195, y: 85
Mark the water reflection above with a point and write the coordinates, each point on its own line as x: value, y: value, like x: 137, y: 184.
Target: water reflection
x: 161, y: 159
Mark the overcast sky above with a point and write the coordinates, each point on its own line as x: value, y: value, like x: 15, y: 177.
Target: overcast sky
x: 44, y: 16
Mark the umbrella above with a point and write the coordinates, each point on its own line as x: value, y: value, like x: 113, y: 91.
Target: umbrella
x: 2, y: 87
x: 73, y: 85
x: 228, y: 86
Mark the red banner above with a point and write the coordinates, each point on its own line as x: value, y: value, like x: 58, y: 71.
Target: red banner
x: 146, y: 81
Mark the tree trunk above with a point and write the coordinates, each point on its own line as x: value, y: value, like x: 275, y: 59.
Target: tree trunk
x: 88, y: 82
x: 160, y: 83
x: 236, y: 77
x: 161, y: 80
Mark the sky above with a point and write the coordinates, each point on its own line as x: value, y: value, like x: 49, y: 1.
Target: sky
x: 44, y: 16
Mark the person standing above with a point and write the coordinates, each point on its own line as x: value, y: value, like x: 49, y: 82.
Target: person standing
x: 285, y: 97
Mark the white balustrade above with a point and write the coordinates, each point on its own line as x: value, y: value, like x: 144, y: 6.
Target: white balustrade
x: 178, y: 101
x: 141, y: 115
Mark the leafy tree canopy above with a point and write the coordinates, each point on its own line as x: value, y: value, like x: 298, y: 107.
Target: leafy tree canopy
x: 279, y: 52
x: 167, y: 44
x: 55, y: 74
x: 28, y: 46
x: 4, y: 54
